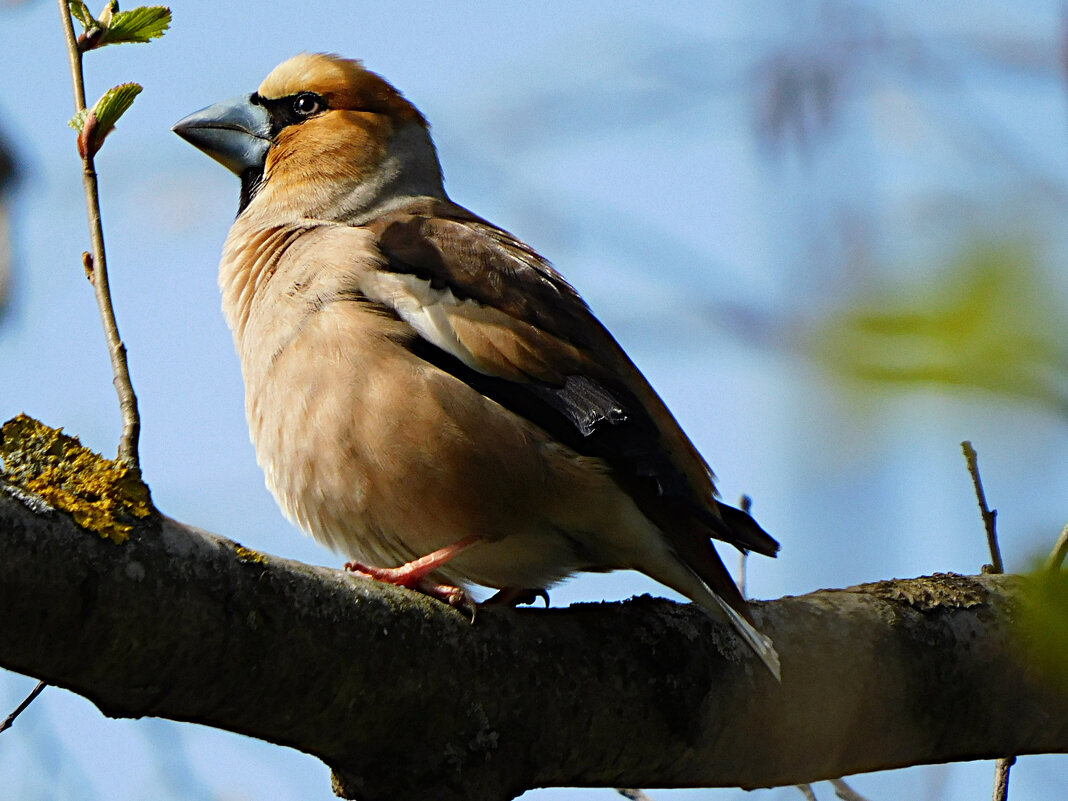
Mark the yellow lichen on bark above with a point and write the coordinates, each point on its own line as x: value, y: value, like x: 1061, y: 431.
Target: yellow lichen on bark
x: 929, y: 593
x: 248, y: 555
x: 100, y: 494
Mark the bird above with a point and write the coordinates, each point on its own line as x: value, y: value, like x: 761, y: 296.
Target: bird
x: 426, y: 394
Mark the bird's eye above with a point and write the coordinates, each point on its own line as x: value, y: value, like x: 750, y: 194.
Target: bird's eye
x: 307, y: 103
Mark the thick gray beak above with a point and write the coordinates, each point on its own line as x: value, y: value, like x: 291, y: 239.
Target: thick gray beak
x: 235, y: 133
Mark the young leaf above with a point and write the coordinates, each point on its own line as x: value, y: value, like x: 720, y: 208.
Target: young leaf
x: 109, y: 11
x: 114, y: 104
x: 137, y: 25
x: 77, y: 122
x: 94, y: 28
x: 93, y: 125
x: 81, y: 12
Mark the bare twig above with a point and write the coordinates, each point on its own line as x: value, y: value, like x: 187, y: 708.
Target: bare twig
x: 1001, y: 778
x: 1001, y: 772
x: 745, y: 504
x: 131, y: 421
x: 1060, y: 550
x: 989, y: 516
x: 807, y: 792
x: 10, y: 719
x: 845, y: 792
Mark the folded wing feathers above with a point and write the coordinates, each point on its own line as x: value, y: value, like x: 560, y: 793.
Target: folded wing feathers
x: 487, y: 299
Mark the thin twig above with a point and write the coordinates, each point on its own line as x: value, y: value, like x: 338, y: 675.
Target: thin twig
x: 10, y: 719
x: 989, y: 516
x: 1001, y: 778
x: 745, y: 504
x: 633, y: 794
x: 845, y: 792
x: 807, y: 792
x: 131, y: 420
x: 1001, y: 772
x: 1060, y: 550
x: 75, y: 56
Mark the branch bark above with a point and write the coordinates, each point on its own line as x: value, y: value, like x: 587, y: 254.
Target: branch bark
x: 405, y: 698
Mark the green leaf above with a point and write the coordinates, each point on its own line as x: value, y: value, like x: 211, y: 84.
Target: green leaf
x: 138, y: 25
x: 114, y: 104
x: 81, y: 12
x: 94, y: 124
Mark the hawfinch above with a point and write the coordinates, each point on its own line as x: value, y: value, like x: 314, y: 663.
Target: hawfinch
x: 426, y: 394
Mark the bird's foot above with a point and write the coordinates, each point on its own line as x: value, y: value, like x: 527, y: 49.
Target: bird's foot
x: 411, y: 573
x: 514, y: 596
x: 456, y: 597
x: 403, y: 576
x: 414, y: 575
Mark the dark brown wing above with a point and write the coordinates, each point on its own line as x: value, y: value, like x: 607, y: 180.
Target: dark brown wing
x: 495, y: 314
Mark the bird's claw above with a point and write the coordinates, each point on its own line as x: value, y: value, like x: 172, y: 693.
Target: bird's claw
x: 514, y: 596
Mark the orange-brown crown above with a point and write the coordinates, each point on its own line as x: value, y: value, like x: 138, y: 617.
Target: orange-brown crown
x: 343, y: 82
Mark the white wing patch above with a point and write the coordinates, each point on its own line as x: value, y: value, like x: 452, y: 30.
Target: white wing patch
x: 425, y: 309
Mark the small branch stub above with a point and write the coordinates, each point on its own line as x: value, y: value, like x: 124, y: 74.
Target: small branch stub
x: 1001, y: 778
x: 989, y: 515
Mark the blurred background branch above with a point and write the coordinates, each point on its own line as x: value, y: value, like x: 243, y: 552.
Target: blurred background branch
x: 8, y: 179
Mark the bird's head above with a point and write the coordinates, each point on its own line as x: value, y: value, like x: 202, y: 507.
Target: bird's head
x: 322, y: 137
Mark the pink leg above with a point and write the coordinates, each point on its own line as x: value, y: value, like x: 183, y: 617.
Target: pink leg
x: 410, y: 574
x: 413, y: 575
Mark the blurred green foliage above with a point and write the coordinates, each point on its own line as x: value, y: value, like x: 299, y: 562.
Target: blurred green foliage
x: 1045, y: 624
x: 990, y: 321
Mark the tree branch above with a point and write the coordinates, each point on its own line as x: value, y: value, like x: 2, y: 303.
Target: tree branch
x: 406, y: 699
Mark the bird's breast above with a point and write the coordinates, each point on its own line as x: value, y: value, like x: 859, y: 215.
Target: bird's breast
x: 383, y: 456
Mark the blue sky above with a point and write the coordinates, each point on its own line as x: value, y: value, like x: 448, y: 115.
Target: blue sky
x: 623, y: 141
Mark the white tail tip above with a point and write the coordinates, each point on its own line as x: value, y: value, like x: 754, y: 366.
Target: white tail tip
x: 760, y: 643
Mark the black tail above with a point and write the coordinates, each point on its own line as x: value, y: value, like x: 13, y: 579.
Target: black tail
x: 740, y: 530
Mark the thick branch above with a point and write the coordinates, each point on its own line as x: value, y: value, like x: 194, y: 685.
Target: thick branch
x: 409, y: 700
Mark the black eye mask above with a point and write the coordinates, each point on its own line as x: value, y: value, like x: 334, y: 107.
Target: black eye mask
x: 290, y: 110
